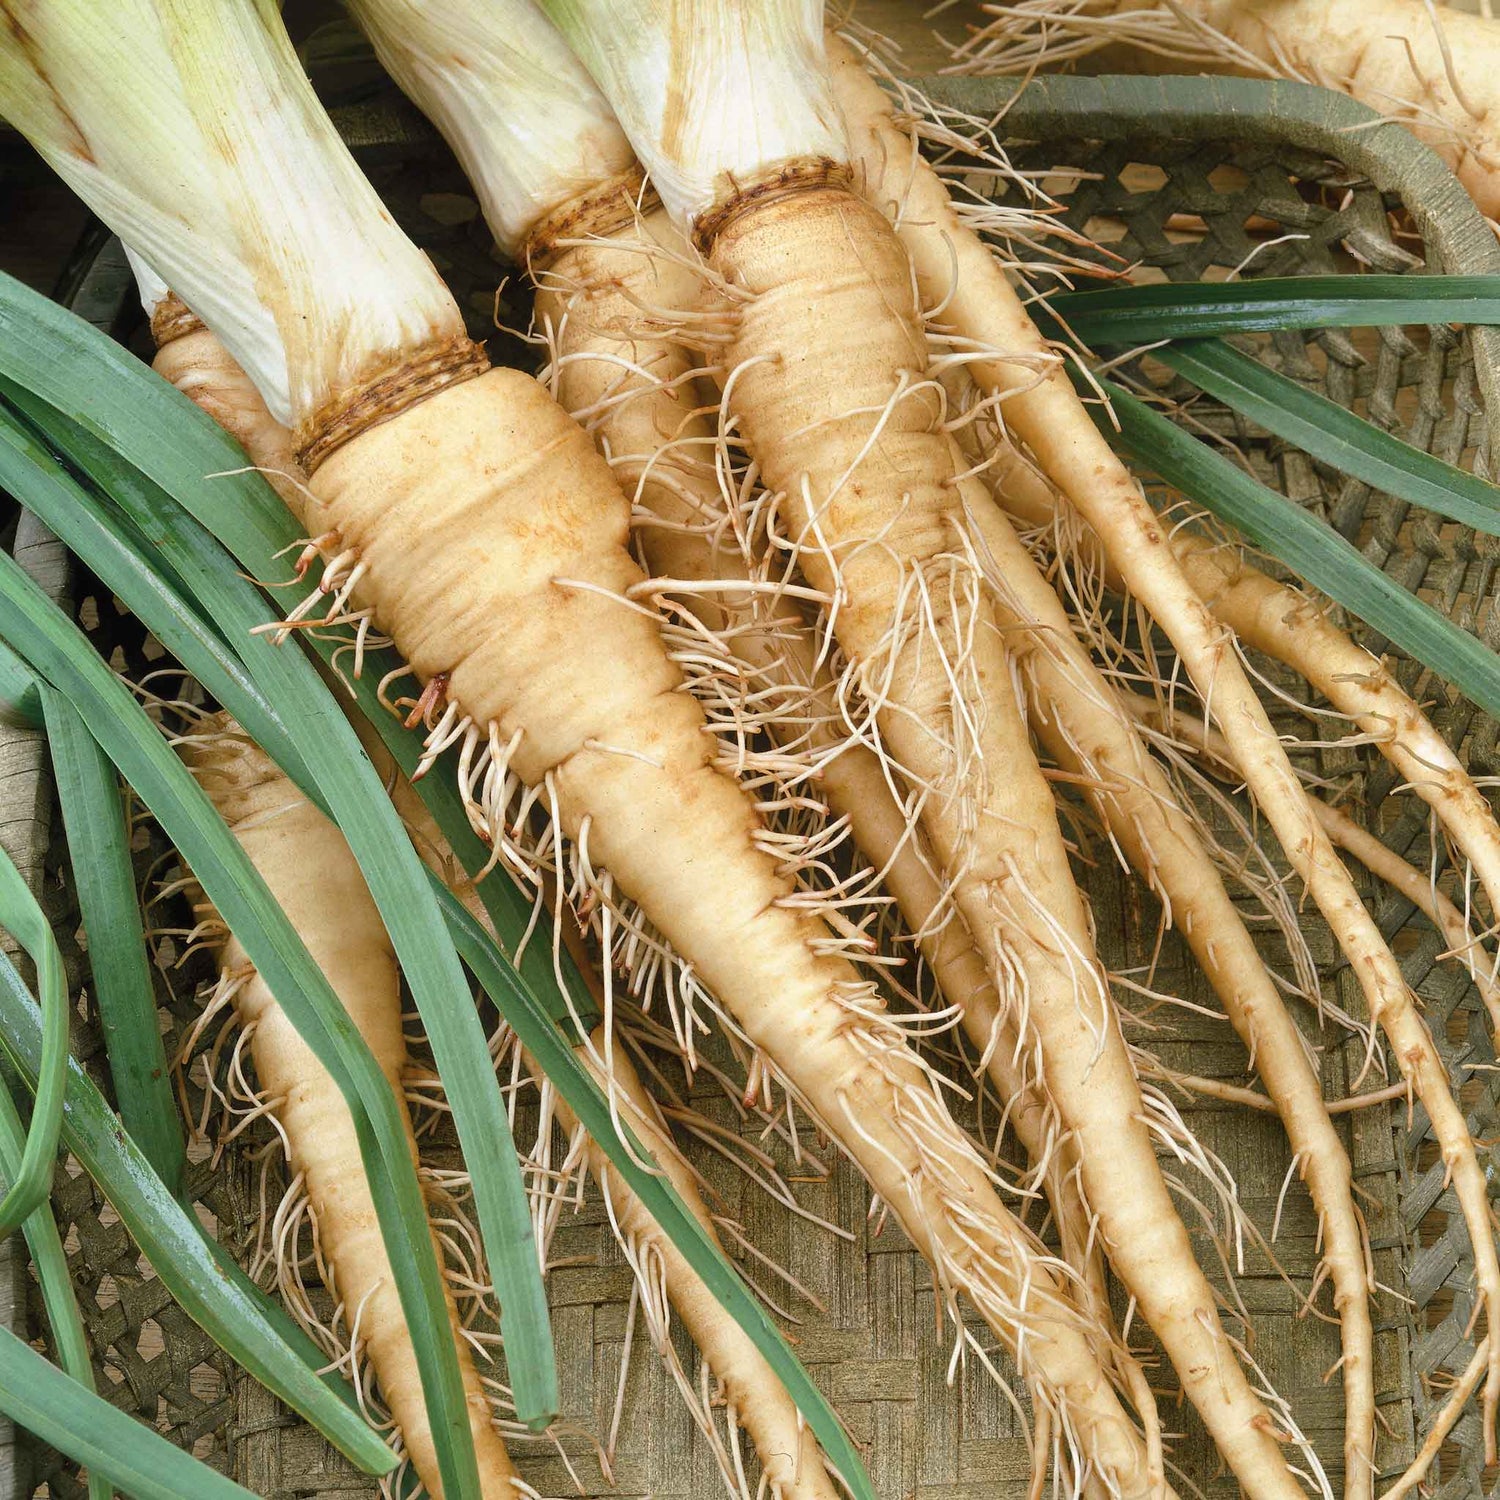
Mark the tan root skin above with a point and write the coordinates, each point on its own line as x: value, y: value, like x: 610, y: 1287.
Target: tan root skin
x: 955, y: 270
x: 875, y: 475
x: 853, y: 783
x: 756, y: 1398
x: 1354, y: 839
x: 1077, y: 716
x: 1298, y: 630
x: 310, y: 870
x: 486, y: 497
x: 789, y: 1452
x: 589, y: 296
x: 1073, y: 713
x: 205, y: 372
x: 591, y: 301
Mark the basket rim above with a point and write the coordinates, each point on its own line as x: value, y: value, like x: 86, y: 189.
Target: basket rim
x: 1305, y: 115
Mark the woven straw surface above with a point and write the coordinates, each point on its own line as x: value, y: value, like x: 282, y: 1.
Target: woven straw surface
x: 876, y: 1345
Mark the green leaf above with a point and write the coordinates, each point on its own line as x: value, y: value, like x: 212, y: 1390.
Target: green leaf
x: 272, y: 1313
x: 227, y: 1306
x: 138, y: 567
x: 31, y: 1180
x: 540, y: 1037
x: 20, y: 702
x: 104, y: 878
x: 1133, y: 315
x: 1327, y: 432
x: 341, y: 781
x: 58, y: 652
x: 1315, y: 552
x: 115, y: 549
x: 50, y: 1262
x: 69, y: 1416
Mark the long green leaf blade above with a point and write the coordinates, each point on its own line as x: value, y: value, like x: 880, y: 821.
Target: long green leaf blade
x: 48, y: 1257
x: 1131, y: 315
x: 272, y: 1312
x: 104, y: 878
x: 1327, y: 432
x: 1315, y: 552
x: 31, y: 1181
x: 229, y: 1308
x: 114, y: 549
x: 50, y: 1262
x: 20, y: 701
x: 346, y: 787
x: 540, y: 1036
x: 54, y: 647
x: 69, y: 1416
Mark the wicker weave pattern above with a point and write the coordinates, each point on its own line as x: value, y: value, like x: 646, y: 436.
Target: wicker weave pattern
x: 878, y: 1349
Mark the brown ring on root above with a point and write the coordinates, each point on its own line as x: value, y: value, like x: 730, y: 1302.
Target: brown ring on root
x: 800, y: 175
x: 354, y: 411
x: 173, y: 319
x: 601, y: 213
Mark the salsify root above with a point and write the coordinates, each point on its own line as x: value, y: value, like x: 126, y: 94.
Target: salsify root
x: 1447, y: 1419
x: 1298, y: 630
x: 1422, y: 891
x: 311, y: 872
x: 957, y: 273
x: 1076, y: 716
x: 626, y: 381
x: 490, y: 539
x: 542, y: 652
x: 491, y: 543
x: 850, y: 436
x: 1427, y: 67
x: 633, y: 387
x: 194, y: 360
x: 790, y: 1457
x: 1192, y: 736
x: 641, y: 415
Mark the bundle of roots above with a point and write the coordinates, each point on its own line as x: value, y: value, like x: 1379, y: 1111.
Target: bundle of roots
x: 929, y: 627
